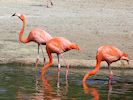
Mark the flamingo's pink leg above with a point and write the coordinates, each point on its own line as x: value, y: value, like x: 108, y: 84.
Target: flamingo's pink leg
x: 110, y: 73
x: 58, y: 62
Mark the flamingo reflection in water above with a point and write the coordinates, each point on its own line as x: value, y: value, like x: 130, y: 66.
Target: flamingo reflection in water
x: 47, y: 89
x: 89, y: 90
x: 58, y: 83
x: 43, y: 90
x: 94, y: 92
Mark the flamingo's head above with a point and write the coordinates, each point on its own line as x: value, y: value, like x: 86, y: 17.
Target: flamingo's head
x: 74, y: 46
x: 125, y: 57
x: 22, y: 17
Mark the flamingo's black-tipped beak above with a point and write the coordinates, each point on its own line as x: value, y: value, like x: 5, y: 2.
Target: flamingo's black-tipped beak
x: 13, y: 14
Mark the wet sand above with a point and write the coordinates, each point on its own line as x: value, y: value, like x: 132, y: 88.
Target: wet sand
x: 89, y: 23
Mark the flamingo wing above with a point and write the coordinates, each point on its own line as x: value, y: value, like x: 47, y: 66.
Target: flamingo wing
x: 111, y: 53
x: 58, y: 45
x: 40, y: 36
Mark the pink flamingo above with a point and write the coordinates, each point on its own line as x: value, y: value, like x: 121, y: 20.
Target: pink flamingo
x: 36, y: 35
x: 57, y: 45
x: 109, y: 54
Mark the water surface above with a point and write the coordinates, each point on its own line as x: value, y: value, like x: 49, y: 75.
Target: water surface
x: 23, y: 83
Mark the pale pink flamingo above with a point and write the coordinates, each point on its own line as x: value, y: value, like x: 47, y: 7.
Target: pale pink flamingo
x: 36, y: 35
x: 109, y: 54
x: 57, y: 45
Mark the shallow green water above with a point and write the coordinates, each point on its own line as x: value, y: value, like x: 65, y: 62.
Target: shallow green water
x: 23, y: 83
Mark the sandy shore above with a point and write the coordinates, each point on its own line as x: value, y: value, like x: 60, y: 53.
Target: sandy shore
x: 89, y: 23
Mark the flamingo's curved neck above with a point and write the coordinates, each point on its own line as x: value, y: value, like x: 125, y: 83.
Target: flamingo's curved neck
x: 21, y: 34
x: 48, y: 64
x: 93, y: 72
